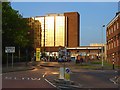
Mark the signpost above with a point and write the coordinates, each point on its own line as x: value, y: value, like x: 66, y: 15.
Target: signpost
x: 67, y: 74
x: 9, y: 50
x: 37, y: 54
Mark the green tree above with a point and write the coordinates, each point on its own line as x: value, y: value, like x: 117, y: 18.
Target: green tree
x: 15, y: 28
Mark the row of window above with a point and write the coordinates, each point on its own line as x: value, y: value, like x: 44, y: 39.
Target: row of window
x: 113, y: 29
x: 113, y: 44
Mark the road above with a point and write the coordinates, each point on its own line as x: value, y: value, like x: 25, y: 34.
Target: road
x: 27, y: 79
x: 94, y: 78
x: 43, y: 77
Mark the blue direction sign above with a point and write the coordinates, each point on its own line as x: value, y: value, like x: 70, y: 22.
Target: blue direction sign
x: 67, y: 70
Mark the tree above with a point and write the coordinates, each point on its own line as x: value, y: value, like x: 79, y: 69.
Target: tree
x: 15, y: 28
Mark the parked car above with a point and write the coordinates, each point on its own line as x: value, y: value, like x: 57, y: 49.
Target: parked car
x: 60, y: 60
x: 44, y: 59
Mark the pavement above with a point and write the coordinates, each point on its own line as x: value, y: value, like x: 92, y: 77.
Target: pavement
x: 21, y: 66
x: 31, y: 65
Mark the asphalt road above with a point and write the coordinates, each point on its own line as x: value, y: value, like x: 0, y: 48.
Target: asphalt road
x: 26, y: 79
x: 43, y: 77
x: 94, y: 78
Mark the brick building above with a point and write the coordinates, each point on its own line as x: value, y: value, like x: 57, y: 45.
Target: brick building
x: 72, y: 29
x: 59, y: 30
x: 113, y: 39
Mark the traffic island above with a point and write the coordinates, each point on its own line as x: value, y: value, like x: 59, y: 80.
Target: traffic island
x: 115, y: 80
x: 66, y: 85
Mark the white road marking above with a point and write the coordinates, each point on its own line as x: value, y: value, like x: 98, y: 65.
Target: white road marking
x: 44, y: 74
x: 15, y: 78
x: 22, y: 78
x: 6, y: 77
x: 50, y: 83
x: 113, y: 81
x: 33, y: 78
x: 28, y: 78
x: 116, y: 71
x: 39, y: 78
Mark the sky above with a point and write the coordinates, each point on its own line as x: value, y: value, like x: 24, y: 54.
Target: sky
x: 93, y: 15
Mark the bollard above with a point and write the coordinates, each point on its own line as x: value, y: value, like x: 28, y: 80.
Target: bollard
x: 113, y: 61
x: 113, y: 64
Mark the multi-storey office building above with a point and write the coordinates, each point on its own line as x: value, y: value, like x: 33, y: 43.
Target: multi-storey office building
x: 59, y: 30
x: 36, y: 32
x: 113, y: 39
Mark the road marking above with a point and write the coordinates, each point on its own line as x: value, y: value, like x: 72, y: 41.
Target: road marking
x: 8, y: 77
x: 50, y: 83
x: 15, y: 78
x: 28, y: 78
x: 113, y: 81
x: 44, y: 74
x: 116, y: 71
x: 0, y: 74
x: 22, y: 78
x: 39, y: 78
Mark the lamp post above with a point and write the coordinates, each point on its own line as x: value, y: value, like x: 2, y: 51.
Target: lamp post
x: 102, y: 46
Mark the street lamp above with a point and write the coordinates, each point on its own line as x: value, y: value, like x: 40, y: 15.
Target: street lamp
x: 102, y: 46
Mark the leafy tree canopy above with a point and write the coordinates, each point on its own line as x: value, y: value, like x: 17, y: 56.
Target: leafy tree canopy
x: 14, y: 27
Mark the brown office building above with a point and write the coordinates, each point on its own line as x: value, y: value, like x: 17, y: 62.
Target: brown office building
x: 72, y: 29
x: 59, y: 30
x: 113, y: 40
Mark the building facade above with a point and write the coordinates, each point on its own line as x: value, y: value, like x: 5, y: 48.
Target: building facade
x: 73, y: 25
x: 88, y: 53
x: 104, y: 50
x: 113, y: 40
x: 35, y: 31
x: 59, y: 30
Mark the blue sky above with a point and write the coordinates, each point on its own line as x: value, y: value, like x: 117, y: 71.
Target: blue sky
x: 93, y: 15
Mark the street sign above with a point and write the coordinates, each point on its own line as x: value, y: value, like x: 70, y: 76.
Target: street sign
x: 67, y: 70
x: 67, y: 74
x: 37, y: 54
x: 9, y: 49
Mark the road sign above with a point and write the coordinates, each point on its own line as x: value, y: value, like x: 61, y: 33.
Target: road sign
x: 9, y: 49
x: 67, y: 70
x: 67, y: 74
x: 37, y: 54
